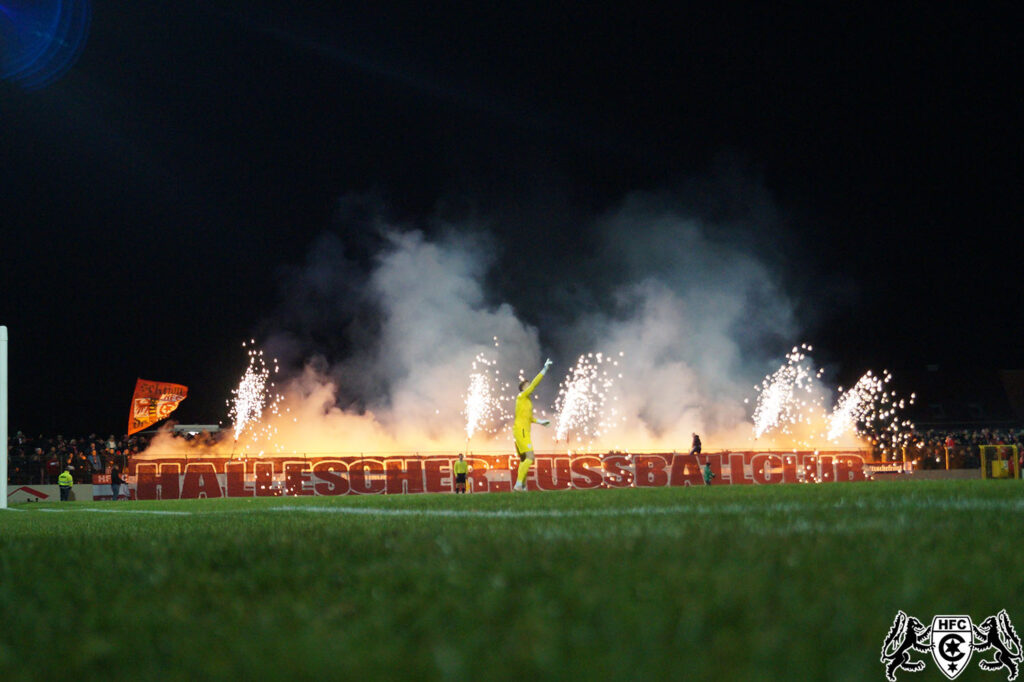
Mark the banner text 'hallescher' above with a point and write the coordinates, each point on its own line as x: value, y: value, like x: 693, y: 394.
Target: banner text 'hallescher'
x: 178, y: 478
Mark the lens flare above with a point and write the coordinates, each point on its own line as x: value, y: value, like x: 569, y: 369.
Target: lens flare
x: 41, y: 39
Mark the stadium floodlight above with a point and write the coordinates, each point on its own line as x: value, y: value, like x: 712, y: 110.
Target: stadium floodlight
x: 3, y: 416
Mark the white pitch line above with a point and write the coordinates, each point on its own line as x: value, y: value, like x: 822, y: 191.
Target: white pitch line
x: 125, y: 511
x: 692, y: 509
x: 484, y: 513
x: 953, y: 504
x: 855, y: 505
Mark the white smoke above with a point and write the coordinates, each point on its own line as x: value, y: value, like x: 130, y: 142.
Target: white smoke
x: 435, y: 320
x: 688, y: 303
x: 690, y: 314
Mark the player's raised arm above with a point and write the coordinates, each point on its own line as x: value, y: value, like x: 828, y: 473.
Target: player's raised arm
x: 536, y: 380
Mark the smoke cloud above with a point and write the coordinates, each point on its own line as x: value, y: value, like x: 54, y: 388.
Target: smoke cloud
x: 381, y: 330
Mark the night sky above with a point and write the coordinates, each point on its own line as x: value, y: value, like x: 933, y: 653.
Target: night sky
x: 154, y: 198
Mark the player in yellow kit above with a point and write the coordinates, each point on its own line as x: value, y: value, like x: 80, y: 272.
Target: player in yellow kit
x: 524, y: 420
x: 460, y: 468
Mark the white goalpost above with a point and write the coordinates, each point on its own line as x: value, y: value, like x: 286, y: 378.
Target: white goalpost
x: 3, y: 417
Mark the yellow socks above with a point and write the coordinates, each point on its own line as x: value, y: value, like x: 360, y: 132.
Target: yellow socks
x: 524, y: 467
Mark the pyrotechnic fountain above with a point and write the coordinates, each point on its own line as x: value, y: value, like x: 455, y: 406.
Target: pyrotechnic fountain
x: 871, y: 412
x: 794, y: 410
x: 322, y: 449
x: 787, y: 396
x: 580, y: 406
x: 487, y: 402
x: 791, y: 399
x: 253, y: 396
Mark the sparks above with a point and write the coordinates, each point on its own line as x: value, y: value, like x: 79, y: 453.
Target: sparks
x: 255, y: 395
x: 486, y: 398
x: 868, y: 411
x: 580, y: 406
x: 785, y: 397
x: 872, y: 412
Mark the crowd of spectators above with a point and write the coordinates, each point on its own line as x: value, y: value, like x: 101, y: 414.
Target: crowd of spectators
x: 972, y: 437
x: 40, y: 459
x: 930, y: 448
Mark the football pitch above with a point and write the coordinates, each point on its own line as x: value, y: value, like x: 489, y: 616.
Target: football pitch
x: 783, y: 582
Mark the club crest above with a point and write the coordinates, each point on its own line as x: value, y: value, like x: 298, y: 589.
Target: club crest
x: 952, y: 644
x: 952, y: 641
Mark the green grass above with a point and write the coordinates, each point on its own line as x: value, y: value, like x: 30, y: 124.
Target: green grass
x: 721, y: 583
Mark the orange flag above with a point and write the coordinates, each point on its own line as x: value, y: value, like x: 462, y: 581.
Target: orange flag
x: 153, y: 401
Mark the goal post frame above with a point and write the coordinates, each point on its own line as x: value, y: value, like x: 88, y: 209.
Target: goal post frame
x: 3, y: 417
x: 1014, y: 459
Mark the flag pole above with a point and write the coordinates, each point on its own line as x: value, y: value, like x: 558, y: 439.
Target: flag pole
x: 3, y: 417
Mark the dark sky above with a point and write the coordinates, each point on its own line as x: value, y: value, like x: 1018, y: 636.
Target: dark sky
x: 150, y: 198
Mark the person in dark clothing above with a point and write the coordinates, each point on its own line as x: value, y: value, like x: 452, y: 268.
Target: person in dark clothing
x: 695, y: 448
x: 115, y: 483
x: 708, y: 474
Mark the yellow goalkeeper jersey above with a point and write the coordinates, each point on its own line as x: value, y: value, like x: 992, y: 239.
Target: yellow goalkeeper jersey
x: 524, y: 406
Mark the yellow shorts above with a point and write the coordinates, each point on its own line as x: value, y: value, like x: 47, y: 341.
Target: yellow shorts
x: 523, y: 444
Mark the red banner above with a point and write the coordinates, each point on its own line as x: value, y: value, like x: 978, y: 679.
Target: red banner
x: 153, y: 401
x: 179, y: 478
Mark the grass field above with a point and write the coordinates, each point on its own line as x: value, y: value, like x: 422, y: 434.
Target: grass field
x: 784, y: 582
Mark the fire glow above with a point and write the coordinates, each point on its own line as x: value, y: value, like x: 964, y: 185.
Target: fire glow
x: 305, y: 417
x: 487, y: 400
x: 791, y: 399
